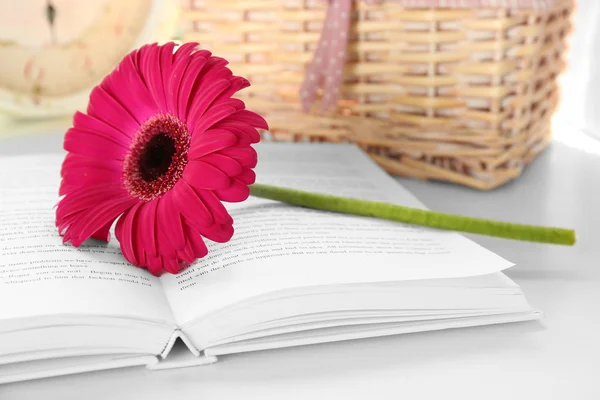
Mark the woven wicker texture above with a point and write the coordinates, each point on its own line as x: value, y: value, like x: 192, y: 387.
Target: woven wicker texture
x: 457, y: 95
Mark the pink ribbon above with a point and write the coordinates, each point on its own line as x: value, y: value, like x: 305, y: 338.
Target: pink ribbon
x: 328, y: 61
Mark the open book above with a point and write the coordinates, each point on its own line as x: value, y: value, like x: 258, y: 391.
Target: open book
x: 290, y: 276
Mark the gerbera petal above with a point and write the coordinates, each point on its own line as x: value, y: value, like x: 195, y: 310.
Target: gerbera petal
x: 202, y: 175
x: 94, y: 218
x: 252, y: 119
x: 171, y: 265
x: 164, y: 211
x: 237, y: 128
x: 226, y: 164
x: 216, y: 208
x: 81, y: 120
x: 235, y: 193
x: 174, y: 83
x: 185, y: 50
x: 149, y: 64
x: 125, y: 86
x: 136, y: 54
x: 63, y: 227
x: 92, y: 144
x: 187, y: 68
x: 212, y: 116
x: 187, y: 253
x: 138, y: 244
x: 165, y: 248
x: 78, y: 170
x: 170, y: 221
x: 246, y: 156
x: 209, y: 142
x: 75, y: 132
x: 191, y: 75
x: 201, y: 103
x: 104, y: 107
x: 190, y: 205
x: 125, y: 231
x: 86, y: 197
x: 103, y: 233
x: 166, y: 64
x: 237, y: 83
x: 217, y: 68
x: 90, y: 173
x: 66, y: 187
x: 114, y: 85
x: 154, y: 264
x: 218, y: 233
x: 240, y: 129
x: 214, y: 71
x: 83, y: 176
x: 242, y: 139
x: 147, y: 223
x: 247, y: 176
x: 198, y: 245
x: 238, y: 104
x: 73, y: 160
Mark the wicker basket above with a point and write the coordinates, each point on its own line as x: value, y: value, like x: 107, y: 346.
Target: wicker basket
x: 458, y: 95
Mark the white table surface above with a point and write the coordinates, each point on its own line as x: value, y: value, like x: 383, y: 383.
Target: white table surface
x: 558, y: 358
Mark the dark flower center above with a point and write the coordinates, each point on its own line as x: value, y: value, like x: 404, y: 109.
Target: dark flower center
x: 156, y: 157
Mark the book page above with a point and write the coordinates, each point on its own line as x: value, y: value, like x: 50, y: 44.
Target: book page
x: 40, y: 276
x: 277, y: 246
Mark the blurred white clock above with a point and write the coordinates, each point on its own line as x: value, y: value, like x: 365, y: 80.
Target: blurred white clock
x: 52, y: 52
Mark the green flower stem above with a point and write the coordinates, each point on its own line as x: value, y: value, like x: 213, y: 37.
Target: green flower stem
x: 415, y: 216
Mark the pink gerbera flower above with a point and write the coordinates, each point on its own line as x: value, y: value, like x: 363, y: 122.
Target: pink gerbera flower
x: 162, y: 144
